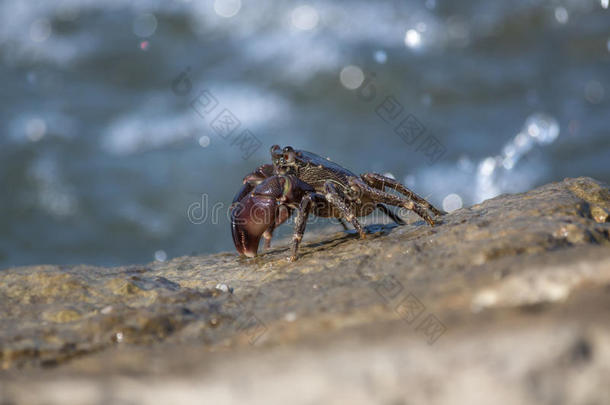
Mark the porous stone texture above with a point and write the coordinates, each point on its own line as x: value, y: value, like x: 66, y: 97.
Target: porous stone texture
x: 504, y: 302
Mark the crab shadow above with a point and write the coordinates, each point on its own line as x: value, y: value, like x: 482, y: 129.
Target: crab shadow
x: 328, y: 241
x: 372, y: 231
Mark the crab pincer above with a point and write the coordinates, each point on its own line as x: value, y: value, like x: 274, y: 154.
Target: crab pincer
x: 260, y: 210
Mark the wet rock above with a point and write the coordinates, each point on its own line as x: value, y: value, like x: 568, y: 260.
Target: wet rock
x: 508, y: 299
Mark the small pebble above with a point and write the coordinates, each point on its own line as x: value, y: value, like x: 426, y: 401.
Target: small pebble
x: 223, y: 287
x: 106, y: 310
x: 290, y: 317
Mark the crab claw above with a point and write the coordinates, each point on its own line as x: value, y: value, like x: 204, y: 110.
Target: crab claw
x: 250, y: 214
x: 250, y: 218
x: 257, y: 209
x: 254, y: 213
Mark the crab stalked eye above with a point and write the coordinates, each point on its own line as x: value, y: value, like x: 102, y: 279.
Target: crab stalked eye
x: 289, y: 154
x: 276, y: 153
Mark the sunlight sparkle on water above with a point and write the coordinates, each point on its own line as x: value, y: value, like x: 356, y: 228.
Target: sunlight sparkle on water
x: 381, y: 57
x: 561, y: 15
x: 452, y: 202
x: 351, y: 77
x: 604, y: 3
x: 487, y: 166
x: 227, y: 8
x: 160, y: 256
x: 204, y: 141
x: 305, y: 18
x: 35, y: 129
x: 543, y: 128
x: 539, y: 128
x: 412, y: 38
x: 144, y: 25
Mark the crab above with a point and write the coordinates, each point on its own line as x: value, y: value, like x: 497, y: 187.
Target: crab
x: 304, y: 182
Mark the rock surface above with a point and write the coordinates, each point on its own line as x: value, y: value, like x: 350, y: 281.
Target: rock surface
x: 507, y: 301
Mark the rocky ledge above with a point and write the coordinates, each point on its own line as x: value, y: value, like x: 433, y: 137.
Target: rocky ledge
x: 507, y: 301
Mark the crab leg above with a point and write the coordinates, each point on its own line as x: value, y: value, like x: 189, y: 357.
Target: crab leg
x: 333, y: 197
x: 391, y: 199
x: 300, y: 222
x: 380, y: 182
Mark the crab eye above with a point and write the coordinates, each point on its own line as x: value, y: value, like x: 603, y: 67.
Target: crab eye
x: 275, y: 152
x: 289, y: 156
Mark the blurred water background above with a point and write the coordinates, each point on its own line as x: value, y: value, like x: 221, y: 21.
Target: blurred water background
x: 102, y: 154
